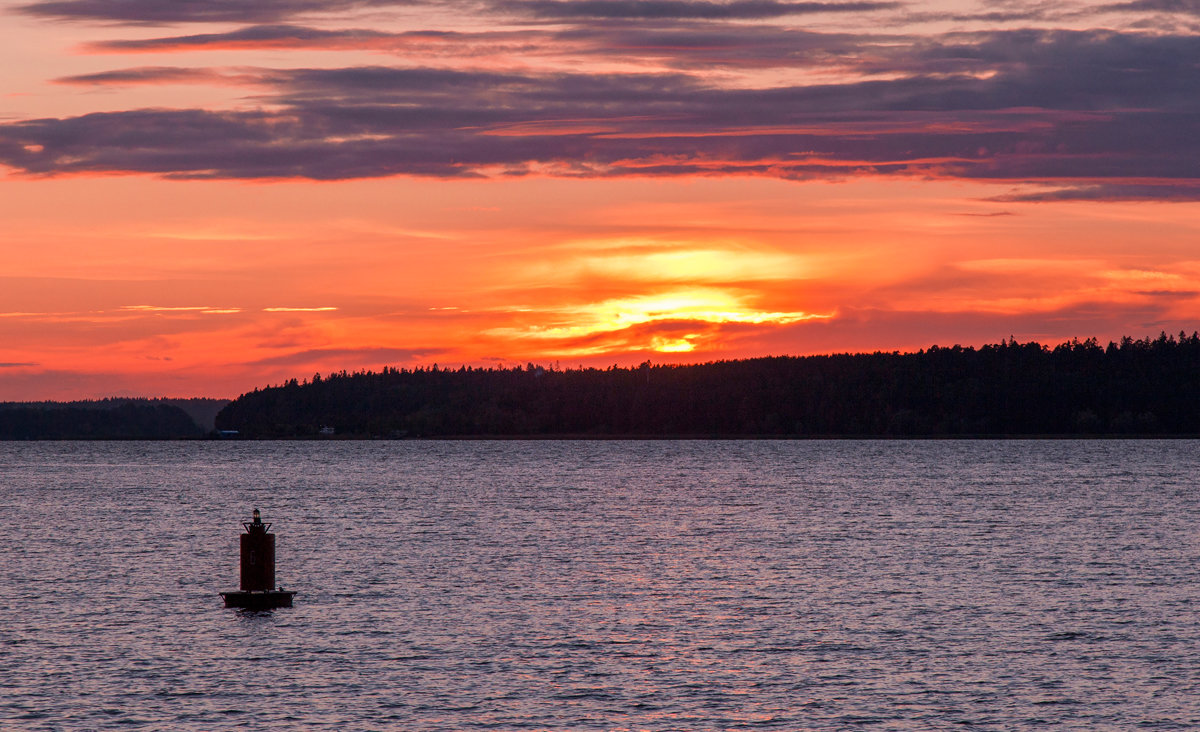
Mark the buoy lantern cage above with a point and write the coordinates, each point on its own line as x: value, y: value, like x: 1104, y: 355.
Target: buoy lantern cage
x: 258, y: 591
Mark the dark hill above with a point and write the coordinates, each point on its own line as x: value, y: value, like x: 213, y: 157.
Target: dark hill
x: 101, y: 420
x: 1149, y: 386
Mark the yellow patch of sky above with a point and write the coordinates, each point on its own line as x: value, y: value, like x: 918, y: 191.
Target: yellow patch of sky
x: 708, y: 263
x: 673, y: 345
x: 179, y: 310
x: 214, y: 310
x: 709, y: 282
x: 694, y: 304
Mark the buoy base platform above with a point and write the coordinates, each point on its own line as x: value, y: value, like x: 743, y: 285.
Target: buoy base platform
x: 259, y: 600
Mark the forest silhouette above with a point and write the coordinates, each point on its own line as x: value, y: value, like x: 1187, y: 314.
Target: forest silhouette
x: 106, y: 419
x: 1132, y: 387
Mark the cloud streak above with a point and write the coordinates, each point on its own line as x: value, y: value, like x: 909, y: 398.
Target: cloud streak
x: 1184, y: 7
x: 678, y: 45
x: 377, y: 356
x: 179, y: 310
x: 154, y: 12
x: 258, y: 37
x: 154, y: 75
x: 149, y: 12
x: 686, y: 9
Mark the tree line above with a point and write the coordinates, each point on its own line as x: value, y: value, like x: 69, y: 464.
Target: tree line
x: 100, y: 420
x: 1148, y: 386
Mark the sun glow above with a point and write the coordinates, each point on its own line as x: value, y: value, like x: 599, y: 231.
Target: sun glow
x: 674, y: 345
x: 709, y: 306
x: 712, y: 264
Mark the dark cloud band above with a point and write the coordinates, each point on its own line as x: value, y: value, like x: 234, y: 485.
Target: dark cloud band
x: 273, y: 11
x: 1097, y: 114
x: 687, y: 9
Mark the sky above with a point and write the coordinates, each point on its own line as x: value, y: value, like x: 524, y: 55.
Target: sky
x: 202, y: 197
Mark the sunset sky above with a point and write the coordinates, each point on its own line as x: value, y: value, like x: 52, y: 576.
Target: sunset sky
x: 199, y: 197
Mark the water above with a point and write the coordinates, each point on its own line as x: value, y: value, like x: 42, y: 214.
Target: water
x: 879, y: 585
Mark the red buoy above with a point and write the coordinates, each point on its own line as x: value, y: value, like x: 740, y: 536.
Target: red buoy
x: 258, y: 556
x: 258, y: 591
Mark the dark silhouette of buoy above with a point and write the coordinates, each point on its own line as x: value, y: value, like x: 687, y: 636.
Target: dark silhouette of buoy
x: 258, y: 591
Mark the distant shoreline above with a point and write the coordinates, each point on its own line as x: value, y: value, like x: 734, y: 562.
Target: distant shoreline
x: 631, y: 438
x: 1076, y: 390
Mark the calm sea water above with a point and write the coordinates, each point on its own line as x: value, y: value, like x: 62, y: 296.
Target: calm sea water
x: 884, y: 585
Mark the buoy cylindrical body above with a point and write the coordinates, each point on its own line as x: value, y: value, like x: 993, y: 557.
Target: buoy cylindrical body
x: 258, y: 571
x: 258, y: 557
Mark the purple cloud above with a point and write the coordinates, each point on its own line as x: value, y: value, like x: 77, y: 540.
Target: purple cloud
x: 146, y: 75
x: 686, y: 9
x: 262, y: 36
x: 1181, y: 191
x: 273, y: 11
x: 1093, y: 113
x: 684, y: 46
x: 1185, y: 7
x: 152, y: 12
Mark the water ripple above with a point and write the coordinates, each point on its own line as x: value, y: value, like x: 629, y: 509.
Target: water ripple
x: 695, y: 585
